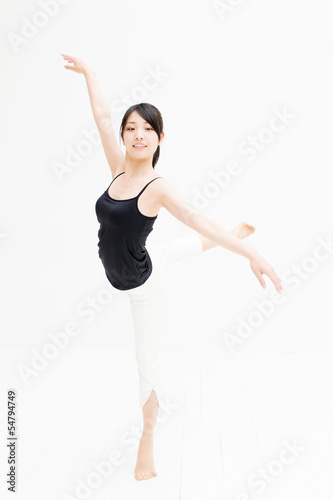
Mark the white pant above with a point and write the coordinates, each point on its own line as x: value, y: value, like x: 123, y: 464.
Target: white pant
x: 147, y: 308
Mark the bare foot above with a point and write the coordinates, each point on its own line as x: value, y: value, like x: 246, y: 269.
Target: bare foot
x: 145, y: 468
x: 242, y: 230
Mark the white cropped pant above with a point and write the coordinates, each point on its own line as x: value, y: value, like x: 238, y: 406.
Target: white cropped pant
x: 147, y: 308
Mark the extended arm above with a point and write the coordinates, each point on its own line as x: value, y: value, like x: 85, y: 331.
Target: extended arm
x: 170, y: 199
x: 101, y: 113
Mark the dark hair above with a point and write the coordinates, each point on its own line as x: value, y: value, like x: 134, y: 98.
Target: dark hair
x: 152, y: 115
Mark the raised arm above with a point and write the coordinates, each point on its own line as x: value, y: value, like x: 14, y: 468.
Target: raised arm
x: 101, y: 113
x: 169, y: 198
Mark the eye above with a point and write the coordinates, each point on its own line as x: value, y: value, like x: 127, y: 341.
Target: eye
x: 132, y: 128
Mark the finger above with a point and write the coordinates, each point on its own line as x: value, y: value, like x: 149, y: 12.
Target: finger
x: 276, y: 281
x: 276, y: 276
x: 260, y: 278
x: 69, y: 58
x: 269, y: 271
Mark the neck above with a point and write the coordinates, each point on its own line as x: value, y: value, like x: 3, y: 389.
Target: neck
x: 137, y: 168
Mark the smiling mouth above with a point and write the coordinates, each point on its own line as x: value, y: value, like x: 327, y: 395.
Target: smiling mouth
x: 139, y: 146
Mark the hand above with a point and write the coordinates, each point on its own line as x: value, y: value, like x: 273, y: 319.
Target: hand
x: 260, y: 266
x: 79, y: 65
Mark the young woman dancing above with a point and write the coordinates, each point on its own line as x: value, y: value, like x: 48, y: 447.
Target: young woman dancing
x: 126, y: 212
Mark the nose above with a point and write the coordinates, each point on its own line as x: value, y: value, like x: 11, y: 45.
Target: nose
x: 138, y: 135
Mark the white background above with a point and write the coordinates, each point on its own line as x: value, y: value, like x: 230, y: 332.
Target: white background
x: 223, y: 76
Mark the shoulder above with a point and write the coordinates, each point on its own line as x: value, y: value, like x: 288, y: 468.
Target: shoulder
x: 161, y: 184
x: 166, y: 195
x: 162, y: 188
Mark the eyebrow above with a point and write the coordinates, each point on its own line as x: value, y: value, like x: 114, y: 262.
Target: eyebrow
x: 135, y: 122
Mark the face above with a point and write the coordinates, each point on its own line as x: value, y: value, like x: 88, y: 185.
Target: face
x: 139, y: 137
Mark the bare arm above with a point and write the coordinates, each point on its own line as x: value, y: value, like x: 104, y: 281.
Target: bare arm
x: 102, y: 116
x: 101, y: 113
x: 170, y: 199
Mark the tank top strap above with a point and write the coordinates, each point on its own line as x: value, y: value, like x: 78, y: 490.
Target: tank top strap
x: 107, y: 189
x: 116, y: 177
x: 147, y: 185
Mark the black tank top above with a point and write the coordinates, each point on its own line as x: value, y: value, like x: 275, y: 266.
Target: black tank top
x: 122, y: 236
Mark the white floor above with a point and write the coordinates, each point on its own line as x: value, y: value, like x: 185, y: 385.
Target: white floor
x: 224, y: 428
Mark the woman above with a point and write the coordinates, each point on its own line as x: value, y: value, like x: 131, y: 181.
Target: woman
x: 127, y: 211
